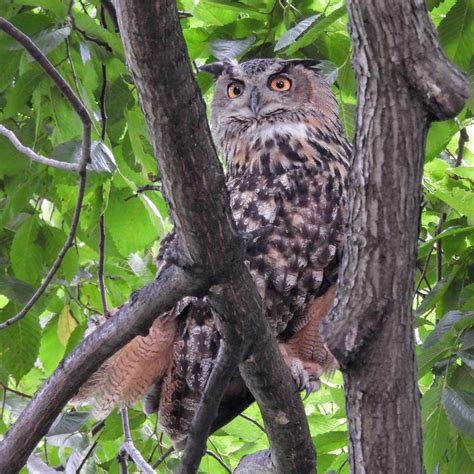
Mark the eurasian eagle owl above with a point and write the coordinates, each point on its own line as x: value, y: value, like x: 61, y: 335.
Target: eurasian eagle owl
x: 277, y: 127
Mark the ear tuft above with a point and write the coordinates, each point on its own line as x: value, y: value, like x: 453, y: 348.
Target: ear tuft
x: 216, y: 69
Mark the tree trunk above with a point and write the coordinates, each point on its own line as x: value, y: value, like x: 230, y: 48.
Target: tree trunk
x: 404, y: 82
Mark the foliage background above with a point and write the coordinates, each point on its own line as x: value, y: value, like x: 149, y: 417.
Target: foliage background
x: 37, y: 204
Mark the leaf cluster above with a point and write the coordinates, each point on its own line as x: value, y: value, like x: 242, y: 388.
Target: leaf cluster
x: 37, y: 203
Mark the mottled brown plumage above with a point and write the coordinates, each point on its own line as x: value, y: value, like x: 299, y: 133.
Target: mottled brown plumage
x: 276, y: 124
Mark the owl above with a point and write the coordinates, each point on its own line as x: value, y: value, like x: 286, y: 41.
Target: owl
x: 276, y: 126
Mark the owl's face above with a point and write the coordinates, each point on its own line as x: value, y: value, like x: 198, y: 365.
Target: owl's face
x: 264, y: 92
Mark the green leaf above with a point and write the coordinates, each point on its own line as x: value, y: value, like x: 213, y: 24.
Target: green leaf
x: 66, y: 325
x: 129, y: 224
x: 456, y: 32
x: 459, y: 199
x: 17, y: 96
x: 437, y: 293
x: 68, y: 423
x: 26, y: 255
x: 444, y: 326
x: 56, y: 6
x: 231, y: 49
x: 347, y: 114
x: 294, y: 33
x: 320, y: 26
x: 16, y: 290
x: 102, y: 159
x: 459, y: 406
x: 19, y: 346
x: 51, y: 351
x: 212, y: 14
x: 436, y: 435
x: 47, y: 41
x: 439, y: 135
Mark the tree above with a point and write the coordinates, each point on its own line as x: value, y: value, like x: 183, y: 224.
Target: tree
x: 125, y: 134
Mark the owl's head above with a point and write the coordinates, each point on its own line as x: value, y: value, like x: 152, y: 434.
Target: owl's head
x: 254, y: 94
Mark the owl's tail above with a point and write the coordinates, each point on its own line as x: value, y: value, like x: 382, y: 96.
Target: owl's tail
x: 128, y: 374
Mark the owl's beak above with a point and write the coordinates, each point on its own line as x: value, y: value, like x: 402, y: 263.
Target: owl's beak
x: 255, y: 101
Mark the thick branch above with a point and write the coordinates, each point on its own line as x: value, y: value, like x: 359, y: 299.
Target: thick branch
x: 193, y: 183
x: 399, y: 75
x: 404, y: 82
x: 132, y: 319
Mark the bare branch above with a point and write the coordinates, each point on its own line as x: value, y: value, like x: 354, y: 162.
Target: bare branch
x: 163, y: 457
x: 219, y: 460
x: 100, y: 270
x: 52, y: 72
x: 404, y: 81
x: 185, y: 154
x: 199, y: 431
x: 129, y: 448
x: 33, y: 156
x: 132, y: 319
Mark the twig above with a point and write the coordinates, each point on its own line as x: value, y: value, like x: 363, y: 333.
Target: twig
x: 163, y: 457
x: 109, y: 6
x: 100, y: 270
x: 219, y: 460
x: 207, y: 410
x: 88, y: 454
x: 142, y: 189
x: 50, y: 70
x: 78, y: 106
x: 129, y: 448
x: 439, y: 248
x: 255, y: 422
x: 16, y: 392
x: 463, y: 138
x: 424, y: 270
x: 33, y: 156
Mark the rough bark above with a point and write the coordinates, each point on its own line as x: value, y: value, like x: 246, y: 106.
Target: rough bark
x: 180, y: 135
x: 210, y: 256
x: 404, y: 82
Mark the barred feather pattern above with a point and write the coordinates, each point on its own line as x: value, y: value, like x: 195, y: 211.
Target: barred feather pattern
x: 287, y: 173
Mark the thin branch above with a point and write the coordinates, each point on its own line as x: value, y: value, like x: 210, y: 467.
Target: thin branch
x: 463, y: 138
x: 50, y: 70
x: 33, y: 156
x: 207, y: 410
x: 142, y: 189
x: 163, y: 457
x: 100, y: 270
x: 69, y: 241
x: 255, y: 422
x: 88, y: 454
x: 109, y: 6
x: 129, y: 448
x: 78, y: 106
x: 16, y: 392
x: 439, y: 248
x: 219, y: 460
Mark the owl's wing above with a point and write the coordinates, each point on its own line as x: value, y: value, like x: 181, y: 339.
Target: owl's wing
x: 144, y: 361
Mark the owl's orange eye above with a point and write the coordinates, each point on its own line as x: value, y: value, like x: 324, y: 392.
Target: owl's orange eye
x: 234, y: 89
x: 279, y: 83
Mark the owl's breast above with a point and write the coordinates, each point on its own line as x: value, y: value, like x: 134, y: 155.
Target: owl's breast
x: 304, y: 210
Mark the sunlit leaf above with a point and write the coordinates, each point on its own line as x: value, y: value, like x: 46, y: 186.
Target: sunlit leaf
x: 294, y: 33
x: 230, y: 49
x: 459, y: 407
